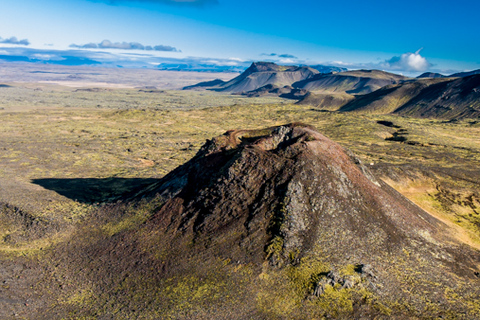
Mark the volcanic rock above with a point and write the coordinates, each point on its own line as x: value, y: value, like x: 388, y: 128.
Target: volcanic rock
x: 284, y: 192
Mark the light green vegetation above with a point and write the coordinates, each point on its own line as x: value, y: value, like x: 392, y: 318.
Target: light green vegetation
x: 58, y: 163
x: 109, y: 148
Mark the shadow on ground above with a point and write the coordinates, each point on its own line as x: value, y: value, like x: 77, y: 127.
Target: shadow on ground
x: 91, y: 190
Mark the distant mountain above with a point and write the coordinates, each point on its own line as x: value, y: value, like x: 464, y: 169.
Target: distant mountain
x: 205, y: 84
x: 352, y: 82
x: 442, y: 98
x: 465, y: 74
x: 260, y: 74
x: 327, y: 69
x: 199, y: 67
x: 430, y: 75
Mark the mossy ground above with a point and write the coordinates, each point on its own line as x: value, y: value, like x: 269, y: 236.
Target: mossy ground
x: 61, y: 163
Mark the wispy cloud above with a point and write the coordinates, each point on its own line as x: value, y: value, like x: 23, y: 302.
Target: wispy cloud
x: 191, y: 3
x: 107, y: 44
x: 123, y: 59
x: 410, y: 62
x: 284, y: 55
x: 14, y: 40
x: 61, y: 57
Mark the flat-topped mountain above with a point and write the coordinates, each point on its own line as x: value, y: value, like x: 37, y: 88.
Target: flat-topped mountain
x: 260, y: 74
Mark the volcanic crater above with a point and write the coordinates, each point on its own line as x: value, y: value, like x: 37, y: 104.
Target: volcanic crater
x: 285, y: 192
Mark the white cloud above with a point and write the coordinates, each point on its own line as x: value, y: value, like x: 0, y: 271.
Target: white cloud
x: 14, y: 40
x: 236, y: 59
x: 107, y: 44
x: 47, y: 57
x: 412, y: 62
x: 288, y: 61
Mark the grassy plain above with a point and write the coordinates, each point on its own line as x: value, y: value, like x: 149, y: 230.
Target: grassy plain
x: 63, y: 151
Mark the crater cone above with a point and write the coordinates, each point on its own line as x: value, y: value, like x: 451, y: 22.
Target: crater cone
x: 285, y: 192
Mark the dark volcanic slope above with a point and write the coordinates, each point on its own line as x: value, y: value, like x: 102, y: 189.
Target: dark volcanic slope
x: 353, y: 82
x: 389, y: 98
x: 246, y: 191
x: 205, y: 84
x: 465, y: 74
x: 458, y: 98
x: 443, y: 98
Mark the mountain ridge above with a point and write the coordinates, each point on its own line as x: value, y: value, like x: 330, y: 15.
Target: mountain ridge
x: 443, y: 98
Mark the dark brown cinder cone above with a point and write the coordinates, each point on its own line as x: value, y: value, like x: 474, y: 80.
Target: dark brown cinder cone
x: 284, y: 192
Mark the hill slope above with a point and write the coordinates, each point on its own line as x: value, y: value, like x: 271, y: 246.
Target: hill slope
x: 352, y: 82
x: 389, y: 98
x: 458, y: 99
x: 444, y: 98
x: 326, y: 101
x: 465, y: 74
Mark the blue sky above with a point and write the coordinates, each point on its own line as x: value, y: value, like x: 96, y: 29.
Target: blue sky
x: 404, y: 36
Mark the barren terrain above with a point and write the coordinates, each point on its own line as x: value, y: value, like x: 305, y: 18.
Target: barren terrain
x: 72, y: 145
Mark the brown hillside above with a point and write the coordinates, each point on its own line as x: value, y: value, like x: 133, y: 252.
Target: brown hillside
x: 352, y: 82
x: 389, y: 98
x: 458, y: 98
x: 326, y: 101
x: 441, y: 98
